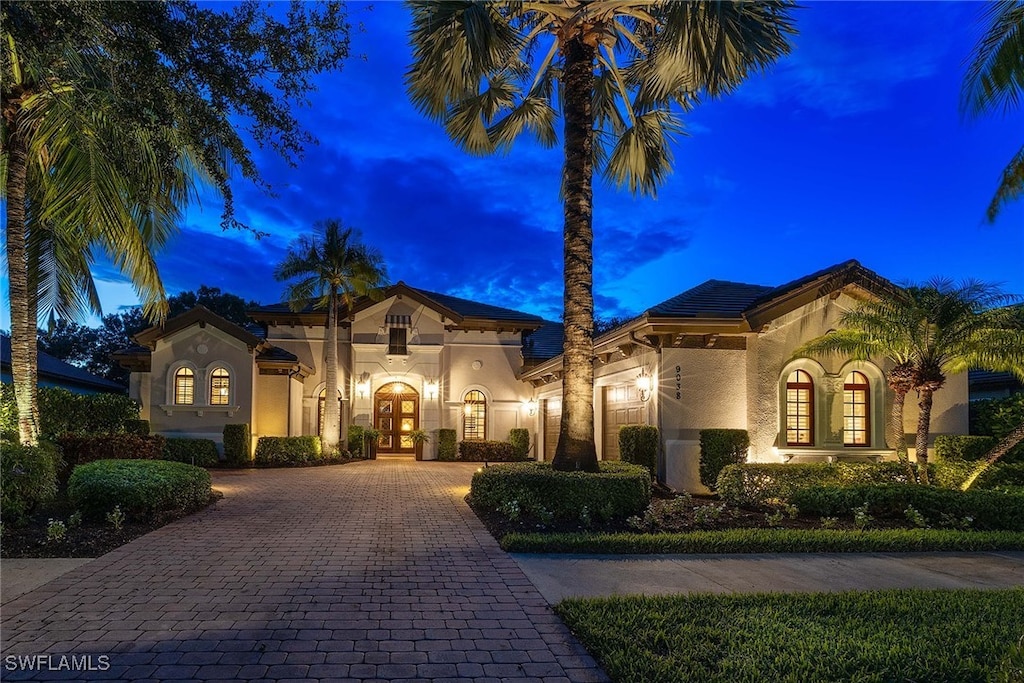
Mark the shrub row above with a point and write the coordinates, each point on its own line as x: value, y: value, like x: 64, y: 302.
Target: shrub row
x: 199, y: 452
x: 79, y: 449
x: 638, y: 444
x: 488, y: 451
x: 446, y: 444
x: 276, y: 451
x: 535, y: 490
x: 988, y: 510
x: 766, y: 541
x: 956, y: 447
x: 63, y: 412
x: 142, y: 488
x: 718, y: 449
x: 28, y: 476
x: 753, y: 484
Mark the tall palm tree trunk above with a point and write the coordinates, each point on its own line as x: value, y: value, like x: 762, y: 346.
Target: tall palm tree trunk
x: 1000, y: 449
x: 575, y: 449
x: 332, y: 418
x: 23, y: 308
x: 924, y: 418
x: 901, y: 381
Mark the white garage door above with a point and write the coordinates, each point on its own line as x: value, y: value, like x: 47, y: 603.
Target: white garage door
x: 622, y: 406
x: 552, y: 422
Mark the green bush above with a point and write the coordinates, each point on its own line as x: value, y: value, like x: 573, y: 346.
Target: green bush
x: 142, y: 488
x: 81, y: 449
x: 520, y: 440
x: 28, y: 476
x: 63, y: 412
x: 446, y: 447
x: 285, y: 451
x: 199, y: 452
x: 988, y: 510
x: 539, y: 492
x: 998, y: 417
x: 638, y: 444
x: 140, y: 427
x: 355, y: 440
x: 8, y: 413
x: 956, y: 447
x: 1002, y: 474
x: 237, y: 445
x: 718, y: 448
x: 487, y: 451
x: 753, y: 484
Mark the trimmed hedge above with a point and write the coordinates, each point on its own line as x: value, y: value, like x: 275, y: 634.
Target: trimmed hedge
x: 355, y: 440
x: 285, y: 451
x: 64, y: 412
x: 618, y: 491
x: 237, y: 445
x: 199, y: 452
x: 446, y: 444
x: 520, y: 440
x: 1002, y: 474
x: 753, y: 484
x: 28, y: 476
x: 719, y: 448
x: 638, y: 444
x: 955, y: 447
x: 139, y: 427
x: 81, y: 449
x: 766, y: 541
x: 142, y: 488
x: 989, y: 510
x: 488, y: 451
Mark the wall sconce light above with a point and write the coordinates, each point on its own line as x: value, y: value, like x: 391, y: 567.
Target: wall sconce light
x: 467, y: 410
x: 530, y: 406
x: 363, y: 385
x: 644, y: 383
x: 431, y: 389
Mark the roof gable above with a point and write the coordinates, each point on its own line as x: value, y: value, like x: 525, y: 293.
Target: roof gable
x: 711, y: 299
x: 202, y: 316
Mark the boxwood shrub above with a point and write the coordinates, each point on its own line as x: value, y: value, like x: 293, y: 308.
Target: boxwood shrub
x: 488, y: 451
x: 237, y: 445
x: 28, y: 476
x: 718, y: 448
x: 285, y: 451
x: 446, y: 446
x: 355, y: 440
x: 754, y: 484
x: 1002, y: 475
x: 80, y: 449
x: 638, y: 444
x: 539, y: 492
x: 140, y: 427
x: 989, y: 510
x: 199, y: 452
x: 143, y: 488
x: 520, y: 440
x: 64, y: 412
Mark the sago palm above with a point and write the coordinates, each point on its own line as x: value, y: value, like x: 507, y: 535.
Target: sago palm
x: 619, y: 71
x: 995, y: 81
x: 329, y: 269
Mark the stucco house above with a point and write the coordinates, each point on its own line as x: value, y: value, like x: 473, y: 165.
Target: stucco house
x: 719, y: 355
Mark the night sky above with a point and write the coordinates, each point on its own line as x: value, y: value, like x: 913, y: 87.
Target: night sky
x: 852, y: 147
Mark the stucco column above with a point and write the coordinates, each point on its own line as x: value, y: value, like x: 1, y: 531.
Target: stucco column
x: 831, y: 426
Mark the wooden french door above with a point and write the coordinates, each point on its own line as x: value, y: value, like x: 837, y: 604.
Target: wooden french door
x: 396, y: 413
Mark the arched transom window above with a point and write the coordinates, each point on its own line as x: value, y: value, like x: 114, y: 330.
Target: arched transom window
x: 474, y: 416
x: 220, y: 387
x: 184, y: 387
x: 799, y: 409
x: 856, y: 410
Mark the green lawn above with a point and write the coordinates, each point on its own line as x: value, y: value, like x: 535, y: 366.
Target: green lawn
x: 766, y: 541
x: 897, y: 635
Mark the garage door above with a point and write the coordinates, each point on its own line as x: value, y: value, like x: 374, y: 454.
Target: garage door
x: 622, y: 406
x: 552, y: 422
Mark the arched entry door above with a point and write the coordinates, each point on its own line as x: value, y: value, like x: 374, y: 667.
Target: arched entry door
x: 396, y: 413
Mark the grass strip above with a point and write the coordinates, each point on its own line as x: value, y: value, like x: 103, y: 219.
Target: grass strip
x: 766, y: 541
x: 895, y: 635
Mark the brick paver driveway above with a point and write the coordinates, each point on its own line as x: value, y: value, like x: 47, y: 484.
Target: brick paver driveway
x: 369, y: 571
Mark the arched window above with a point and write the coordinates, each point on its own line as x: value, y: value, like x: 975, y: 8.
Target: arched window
x: 856, y: 410
x: 220, y: 387
x: 320, y: 404
x: 184, y: 387
x: 474, y: 416
x: 799, y: 409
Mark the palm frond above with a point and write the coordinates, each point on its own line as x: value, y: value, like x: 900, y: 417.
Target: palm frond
x: 1011, y: 186
x: 995, y: 71
x: 642, y: 156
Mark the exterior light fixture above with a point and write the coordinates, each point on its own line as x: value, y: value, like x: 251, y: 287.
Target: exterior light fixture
x: 431, y: 389
x: 468, y: 410
x: 363, y: 385
x: 530, y: 406
x: 644, y: 384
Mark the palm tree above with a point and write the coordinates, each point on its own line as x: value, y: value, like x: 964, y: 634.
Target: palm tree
x: 995, y: 80
x: 331, y: 269
x: 618, y: 68
x: 931, y: 331
x: 76, y: 179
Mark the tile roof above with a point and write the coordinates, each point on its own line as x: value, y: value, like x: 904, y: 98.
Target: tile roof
x: 275, y: 353
x: 543, y: 343
x: 714, y: 298
x: 59, y: 372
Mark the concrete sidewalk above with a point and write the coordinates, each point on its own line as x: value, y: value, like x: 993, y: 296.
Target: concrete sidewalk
x: 563, y: 576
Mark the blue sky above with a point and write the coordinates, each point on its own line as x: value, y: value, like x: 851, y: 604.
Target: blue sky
x: 852, y: 147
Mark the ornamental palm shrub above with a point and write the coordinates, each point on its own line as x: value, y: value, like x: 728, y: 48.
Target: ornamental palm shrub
x: 619, y: 72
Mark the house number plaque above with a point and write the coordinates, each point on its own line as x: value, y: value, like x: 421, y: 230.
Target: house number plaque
x: 679, y: 381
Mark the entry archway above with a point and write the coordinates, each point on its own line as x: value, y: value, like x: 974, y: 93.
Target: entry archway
x: 396, y: 414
